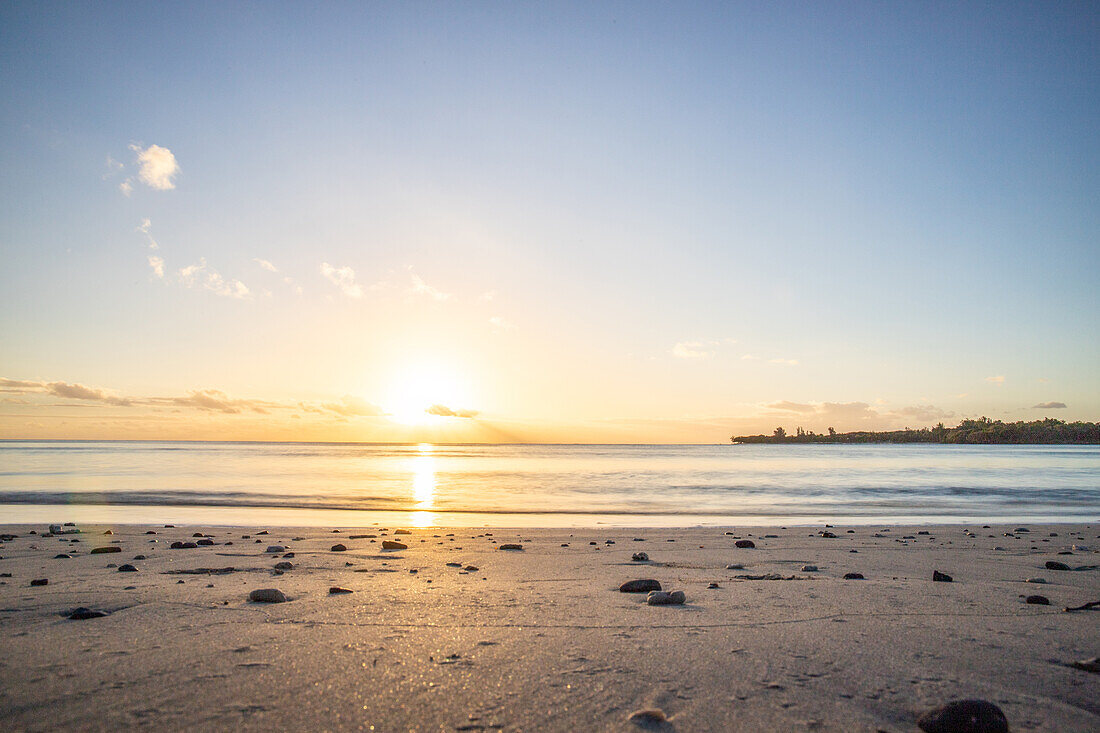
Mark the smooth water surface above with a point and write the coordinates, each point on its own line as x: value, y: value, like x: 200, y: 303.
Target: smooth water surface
x: 543, y: 485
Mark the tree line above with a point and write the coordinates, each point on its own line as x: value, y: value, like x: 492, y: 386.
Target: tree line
x: 970, y: 432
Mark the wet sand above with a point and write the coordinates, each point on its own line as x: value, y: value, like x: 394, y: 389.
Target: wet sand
x: 541, y: 638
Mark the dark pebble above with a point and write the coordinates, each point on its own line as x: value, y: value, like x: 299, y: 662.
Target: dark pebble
x: 510, y: 547
x: 337, y: 590
x: 853, y: 576
x: 104, y: 550
x: 127, y: 568
x: 1055, y: 565
x: 639, y: 586
x: 964, y: 716
x: 337, y: 548
x: 205, y: 543
x: 744, y: 544
x: 82, y: 613
x: 393, y: 545
x: 939, y: 577
x: 62, y: 556
x: 1037, y: 600
x: 40, y: 581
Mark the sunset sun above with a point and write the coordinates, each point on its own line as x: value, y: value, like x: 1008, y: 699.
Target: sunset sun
x: 422, y: 394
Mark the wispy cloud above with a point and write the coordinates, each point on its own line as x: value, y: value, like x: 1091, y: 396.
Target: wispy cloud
x: 343, y: 278
x: 157, y: 265
x: 201, y: 275
x: 419, y: 287
x: 265, y: 264
x: 146, y: 228
x: 352, y: 406
x: 997, y: 380
x: 784, y: 362
x: 856, y: 414
x: 157, y: 166
x: 1049, y: 406
x: 691, y: 350
x: 214, y: 400
x: 444, y: 411
x: 126, y: 187
x: 63, y: 389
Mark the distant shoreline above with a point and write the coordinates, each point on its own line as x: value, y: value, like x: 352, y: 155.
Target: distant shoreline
x: 982, y: 431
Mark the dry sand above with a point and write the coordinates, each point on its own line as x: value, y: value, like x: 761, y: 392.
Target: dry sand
x: 541, y: 639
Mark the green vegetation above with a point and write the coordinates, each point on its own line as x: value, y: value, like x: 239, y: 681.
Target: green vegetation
x: 980, y: 431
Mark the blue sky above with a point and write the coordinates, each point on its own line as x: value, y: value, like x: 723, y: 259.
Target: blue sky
x: 624, y: 222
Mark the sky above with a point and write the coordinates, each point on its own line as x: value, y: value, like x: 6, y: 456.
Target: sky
x: 545, y: 222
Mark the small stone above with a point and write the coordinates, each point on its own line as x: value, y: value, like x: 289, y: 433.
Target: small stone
x: 1055, y: 565
x: 471, y: 568
x: 640, y: 586
x: 82, y: 613
x: 337, y: 590
x: 712, y: 586
x: 939, y: 577
x: 511, y: 547
x: 40, y: 581
x: 105, y: 550
x: 182, y: 546
x: 151, y: 531
x: 198, y: 534
x: 1037, y: 600
x: 1036, y: 580
x: 745, y: 544
x: 284, y: 565
x: 392, y: 545
x: 454, y: 564
x: 267, y: 595
x: 1021, y: 529
x: 401, y: 531
x: 62, y: 556
x: 639, y: 557
x: 853, y: 576
x: 662, y: 598
x: 205, y: 542
x: 827, y: 535
x: 964, y: 716
x: 288, y: 554
x: 127, y: 568
x: 340, y: 548
x: 1087, y: 665
x: 108, y: 532
x: 735, y: 566
x: 654, y: 718
x: 275, y: 548
x: 809, y: 569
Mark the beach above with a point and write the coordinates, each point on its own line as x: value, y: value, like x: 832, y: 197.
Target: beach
x: 454, y: 632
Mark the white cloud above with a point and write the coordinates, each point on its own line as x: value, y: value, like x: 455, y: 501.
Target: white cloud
x: 343, y: 278
x: 201, y: 275
x: 265, y: 264
x: 691, y: 350
x: 997, y: 380
x: 126, y: 187
x: 158, y: 266
x: 158, y: 166
x: 784, y: 362
x: 444, y: 411
x: 419, y: 287
x: 146, y: 229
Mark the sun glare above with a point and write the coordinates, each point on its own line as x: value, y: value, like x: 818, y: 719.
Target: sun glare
x: 417, y: 389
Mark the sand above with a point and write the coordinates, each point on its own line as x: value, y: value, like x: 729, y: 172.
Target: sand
x: 541, y: 639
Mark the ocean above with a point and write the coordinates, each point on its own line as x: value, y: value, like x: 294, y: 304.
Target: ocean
x: 350, y: 484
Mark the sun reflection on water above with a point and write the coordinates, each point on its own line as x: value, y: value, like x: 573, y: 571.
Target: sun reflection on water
x: 423, y: 484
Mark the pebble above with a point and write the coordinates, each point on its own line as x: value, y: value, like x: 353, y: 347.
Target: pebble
x: 337, y: 590
x: 454, y: 564
x: 40, y: 581
x: 62, y: 556
x: 139, y: 557
x: 392, y: 545
x: 341, y: 548
x: 471, y: 568
x: 1036, y: 580
x: 1037, y: 600
x: 401, y: 531
x: 735, y: 566
x: 654, y: 718
x: 511, y: 547
x: 662, y: 598
x: 639, y: 557
x: 82, y: 613
x: 104, y: 550
x: 205, y: 543
x: 644, y: 585
x: 267, y: 595
x: 744, y: 544
x: 827, y: 535
x: 713, y: 585
x: 1087, y: 665
x: 127, y: 568
x: 1055, y: 565
x: 853, y: 576
x: 809, y: 569
x: 284, y: 565
x: 275, y: 548
x: 964, y: 716
x: 939, y: 577
x: 182, y: 546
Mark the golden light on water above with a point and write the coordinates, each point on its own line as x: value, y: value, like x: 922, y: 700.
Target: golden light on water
x: 423, y: 476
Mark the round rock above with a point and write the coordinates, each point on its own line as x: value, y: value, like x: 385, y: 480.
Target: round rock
x: 267, y: 595
x: 964, y: 716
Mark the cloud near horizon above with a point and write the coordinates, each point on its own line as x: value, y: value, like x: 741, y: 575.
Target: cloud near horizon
x: 63, y: 389
x: 444, y: 411
x: 860, y: 414
x: 1049, y: 406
